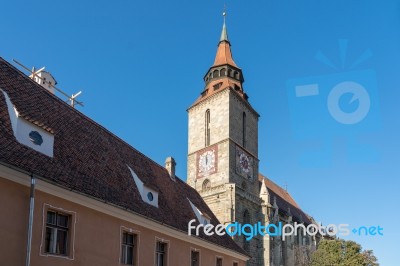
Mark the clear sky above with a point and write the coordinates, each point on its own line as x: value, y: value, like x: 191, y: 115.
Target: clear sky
x: 140, y: 66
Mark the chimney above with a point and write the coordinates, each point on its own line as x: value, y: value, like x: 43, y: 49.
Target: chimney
x: 170, y: 166
x: 44, y: 79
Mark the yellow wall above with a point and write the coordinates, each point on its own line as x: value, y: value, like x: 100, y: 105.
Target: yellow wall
x: 97, y: 235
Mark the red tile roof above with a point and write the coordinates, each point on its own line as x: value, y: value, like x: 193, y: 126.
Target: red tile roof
x: 222, y: 84
x: 91, y: 160
x: 224, y: 55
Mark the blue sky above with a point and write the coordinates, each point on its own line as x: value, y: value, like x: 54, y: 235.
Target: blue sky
x: 140, y: 65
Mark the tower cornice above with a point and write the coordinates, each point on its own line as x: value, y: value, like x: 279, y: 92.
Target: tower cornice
x: 235, y: 92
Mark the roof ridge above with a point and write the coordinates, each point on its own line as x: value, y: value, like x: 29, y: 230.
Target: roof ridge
x: 282, y: 190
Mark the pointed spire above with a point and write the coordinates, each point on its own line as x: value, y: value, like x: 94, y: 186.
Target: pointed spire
x: 224, y: 33
x: 224, y: 54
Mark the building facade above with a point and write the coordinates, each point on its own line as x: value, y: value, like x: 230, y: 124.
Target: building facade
x: 72, y: 193
x: 223, y: 164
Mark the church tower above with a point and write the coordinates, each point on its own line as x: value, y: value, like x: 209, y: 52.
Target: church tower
x: 223, y: 147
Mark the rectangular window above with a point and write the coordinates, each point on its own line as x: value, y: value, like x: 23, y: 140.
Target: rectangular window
x: 235, y: 264
x: 161, y: 254
x: 128, y: 248
x: 219, y: 262
x: 207, y: 127
x: 57, y: 233
x: 244, y: 130
x: 195, y: 257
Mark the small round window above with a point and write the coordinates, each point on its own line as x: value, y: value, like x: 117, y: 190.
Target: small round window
x: 150, y: 196
x: 36, y: 138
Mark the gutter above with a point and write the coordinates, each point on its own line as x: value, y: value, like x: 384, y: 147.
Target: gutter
x: 46, y: 181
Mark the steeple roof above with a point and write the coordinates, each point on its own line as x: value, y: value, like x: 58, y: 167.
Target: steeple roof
x: 224, y: 74
x: 224, y: 33
x: 224, y: 54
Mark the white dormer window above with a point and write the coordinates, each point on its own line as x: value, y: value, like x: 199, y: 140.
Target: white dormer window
x: 201, y: 217
x: 148, y: 195
x: 28, y: 133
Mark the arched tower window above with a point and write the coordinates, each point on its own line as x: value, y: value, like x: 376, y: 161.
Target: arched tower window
x: 206, y: 185
x: 244, y: 130
x: 216, y: 74
x: 223, y: 72
x: 207, y: 128
x: 246, y: 220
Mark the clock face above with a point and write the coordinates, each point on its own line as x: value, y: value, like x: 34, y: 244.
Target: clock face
x: 207, y: 162
x: 244, y: 164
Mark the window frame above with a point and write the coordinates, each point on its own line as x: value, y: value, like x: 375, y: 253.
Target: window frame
x: 191, y: 259
x: 207, y: 130
x: 217, y: 258
x: 244, y: 129
x: 70, y: 242
x: 206, y: 185
x: 136, y: 245
x: 56, y: 230
x: 166, y: 251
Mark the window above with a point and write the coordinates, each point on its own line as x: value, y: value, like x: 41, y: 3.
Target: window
x: 207, y: 127
x: 161, y: 253
x: 206, y: 185
x: 216, y: 74
x: 36, y: 138
x: 217, y: 86
x: 57, y: 229
x: 244, y: 130
x: 150, y: 196
x: 223, y: 72
x: 219, y: 262
x: 246, y: 220
x: 128, y: 248
x: 195, y: 258
x: 235, y: 264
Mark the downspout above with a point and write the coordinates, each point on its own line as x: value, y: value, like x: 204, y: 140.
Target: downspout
x: 30, y: 223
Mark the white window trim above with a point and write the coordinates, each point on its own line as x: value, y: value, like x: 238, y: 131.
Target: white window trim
x: 201, y: 218
x: 21, y: 127
x: 219, y: 257
x: 144, y: 190
x: 19, y: 176
x: 190, y: 255
x: 131, y: 231
x: 159, y: 239
x: 71, y: 241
